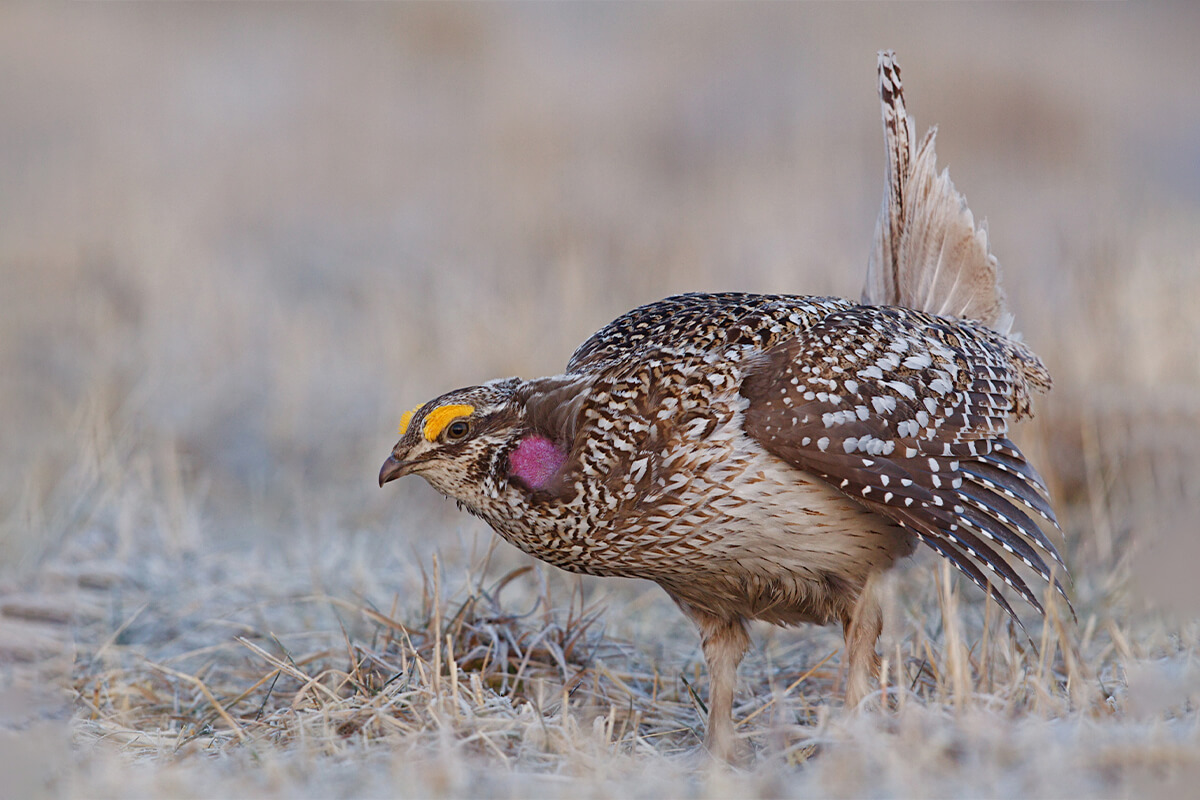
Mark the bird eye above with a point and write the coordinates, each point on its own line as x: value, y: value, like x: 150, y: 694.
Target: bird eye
x: 457, y: 430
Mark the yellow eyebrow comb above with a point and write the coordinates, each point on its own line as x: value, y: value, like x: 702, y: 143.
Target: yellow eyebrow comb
x: 442, y: 416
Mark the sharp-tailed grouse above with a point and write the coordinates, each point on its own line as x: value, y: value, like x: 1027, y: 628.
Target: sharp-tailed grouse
x: 769, y: 456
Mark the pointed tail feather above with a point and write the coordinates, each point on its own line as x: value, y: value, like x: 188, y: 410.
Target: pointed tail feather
x: 928, y: 253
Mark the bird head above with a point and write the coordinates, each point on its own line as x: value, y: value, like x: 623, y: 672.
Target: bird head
x: 459, y: 442
x: 497, y: 447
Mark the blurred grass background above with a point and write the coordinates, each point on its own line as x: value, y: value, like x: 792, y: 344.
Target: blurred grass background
x: 237, y: 241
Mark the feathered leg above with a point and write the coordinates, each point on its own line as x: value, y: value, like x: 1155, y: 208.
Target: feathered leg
x: 725, y: 641
x: 862, y: 627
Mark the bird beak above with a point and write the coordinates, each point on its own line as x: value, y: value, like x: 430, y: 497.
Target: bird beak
x: 393, y: 468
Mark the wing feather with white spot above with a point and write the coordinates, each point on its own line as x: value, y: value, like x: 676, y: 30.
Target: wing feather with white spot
x: 908, y: 413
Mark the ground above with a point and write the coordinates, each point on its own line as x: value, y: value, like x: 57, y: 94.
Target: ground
x: 236, y: 242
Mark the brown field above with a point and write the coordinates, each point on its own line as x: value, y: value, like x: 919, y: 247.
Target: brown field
x: 237, y: 241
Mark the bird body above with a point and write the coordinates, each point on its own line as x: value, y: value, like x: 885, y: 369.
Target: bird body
x: 767, y: 457
x: 647, y: 470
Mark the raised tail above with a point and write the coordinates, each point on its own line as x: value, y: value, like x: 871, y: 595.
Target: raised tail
x: 928, y: 254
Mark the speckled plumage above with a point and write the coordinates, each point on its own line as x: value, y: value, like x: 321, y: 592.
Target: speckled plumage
x: 768, y: 456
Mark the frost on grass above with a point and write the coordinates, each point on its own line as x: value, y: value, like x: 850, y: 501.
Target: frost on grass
x: 520, y: 686
x: 472, y: 684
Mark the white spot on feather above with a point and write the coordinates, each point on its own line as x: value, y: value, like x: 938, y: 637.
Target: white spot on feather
x: 918, y: 361
x: 872, y: 372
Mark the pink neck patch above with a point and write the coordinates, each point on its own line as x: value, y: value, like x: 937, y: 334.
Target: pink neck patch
x: 536, y: 461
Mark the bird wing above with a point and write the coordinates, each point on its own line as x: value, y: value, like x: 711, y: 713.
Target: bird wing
x: 908, y: 414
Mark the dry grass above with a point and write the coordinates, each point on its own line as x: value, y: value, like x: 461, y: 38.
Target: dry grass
x: 235, y: 241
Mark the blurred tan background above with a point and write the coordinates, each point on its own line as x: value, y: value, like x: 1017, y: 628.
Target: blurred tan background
x: 237, y: 241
